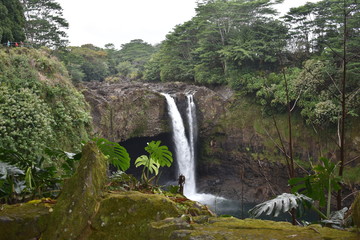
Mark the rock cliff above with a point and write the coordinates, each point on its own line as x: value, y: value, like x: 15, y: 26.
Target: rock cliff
x: 126, y: 110
x: 238, y: 155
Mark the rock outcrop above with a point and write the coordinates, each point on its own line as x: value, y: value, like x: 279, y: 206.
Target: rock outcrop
x: 235, y: 229
x: 238, y: 153
x: 23, y: 221
x: 126, y: 110
x: 80, y: 197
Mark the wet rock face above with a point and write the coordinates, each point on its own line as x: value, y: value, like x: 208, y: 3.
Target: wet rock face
x: 129, y: 109
x: 242, y: 178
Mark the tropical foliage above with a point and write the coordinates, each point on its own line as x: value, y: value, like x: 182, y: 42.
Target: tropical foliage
x: 320, y: 185
x: 45, y: 24
x: 11, y: 21
x: 282, y: 204
x: 36, y: 113
x: 116, y: 154
x: 159, y: 156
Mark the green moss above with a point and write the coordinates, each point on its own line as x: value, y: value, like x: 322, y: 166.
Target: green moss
x: 235, y: 229
x: 127, y: 215
x: 79, y: 199
x: 23, y: 221
x: 356, y: 211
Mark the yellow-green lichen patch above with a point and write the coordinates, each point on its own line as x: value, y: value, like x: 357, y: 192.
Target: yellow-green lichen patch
x: 22, y: 221
x: 128, y: 215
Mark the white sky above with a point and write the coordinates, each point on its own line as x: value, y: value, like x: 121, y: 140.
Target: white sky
x: 120, y: 21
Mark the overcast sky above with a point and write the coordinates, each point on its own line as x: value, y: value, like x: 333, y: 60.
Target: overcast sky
x: 120, y: 21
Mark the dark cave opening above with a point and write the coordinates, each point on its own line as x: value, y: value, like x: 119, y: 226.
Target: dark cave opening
x: 135, y: 148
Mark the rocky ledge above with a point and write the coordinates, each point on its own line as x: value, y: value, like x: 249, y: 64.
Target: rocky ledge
x: 126, y: 110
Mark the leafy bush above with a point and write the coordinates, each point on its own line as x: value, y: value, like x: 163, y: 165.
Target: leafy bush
x: 39, y: 105
x: 25, y: 121
x: 26, y: 178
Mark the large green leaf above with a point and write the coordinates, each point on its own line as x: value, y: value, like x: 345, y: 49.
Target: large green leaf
x: 160, y: 154
x: 116, y: 154
x: 149, y: 163
x: 282, y: 203
x: 317, y: 184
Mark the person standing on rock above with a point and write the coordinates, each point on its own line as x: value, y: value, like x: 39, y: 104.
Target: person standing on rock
x: 181, y: 184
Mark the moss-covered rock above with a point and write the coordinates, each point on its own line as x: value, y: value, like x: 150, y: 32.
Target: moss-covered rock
x: 127, y: 215
x: 23, y: 221
x: 235, y: 229
x: 356, y: 211
x: 79, y: 199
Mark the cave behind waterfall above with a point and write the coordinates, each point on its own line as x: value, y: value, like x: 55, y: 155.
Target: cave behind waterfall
x: 135, y: 148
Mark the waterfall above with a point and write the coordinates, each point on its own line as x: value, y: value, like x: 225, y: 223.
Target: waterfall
x: 192, y: 126
x: 185, y: 150
x: 182, y: 147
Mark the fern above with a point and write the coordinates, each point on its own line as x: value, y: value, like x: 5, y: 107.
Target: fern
x: 337, y: 219
x: 282, y: 203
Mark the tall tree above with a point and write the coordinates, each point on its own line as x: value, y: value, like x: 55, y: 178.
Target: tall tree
x: 45, y: 24
x: 11, y: 21
x: 132, y: 58
x: 336, y: 24
x: 229, y: 27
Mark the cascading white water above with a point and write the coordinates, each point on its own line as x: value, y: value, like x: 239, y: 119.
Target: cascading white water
x: 182, y: 148
x: 185, y: 150
x: 192, y: 124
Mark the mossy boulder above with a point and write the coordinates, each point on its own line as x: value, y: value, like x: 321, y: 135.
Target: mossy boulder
x: 235, y: 229
x: 127, y: 215
x: 79, y: 199
x: 356, y: 211
x: 23, y: 221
